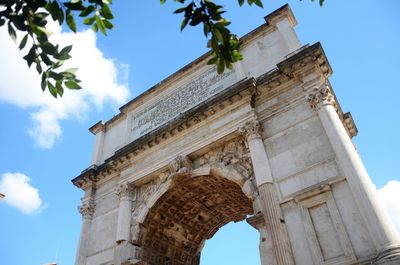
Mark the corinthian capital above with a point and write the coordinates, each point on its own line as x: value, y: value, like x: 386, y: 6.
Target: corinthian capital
x: 251, y: 129
x: 87, y: 209
x: 321, y: 96
x: 125, y: 191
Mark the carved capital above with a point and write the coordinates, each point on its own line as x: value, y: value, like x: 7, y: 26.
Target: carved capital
x: 321, y: 96
x: 87, y: 209
x: 125, y: 191
x: 181, y: 164
x: 252, y: 129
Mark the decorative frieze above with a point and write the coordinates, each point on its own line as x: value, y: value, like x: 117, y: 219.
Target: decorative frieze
x: 181, y: 164
x: 234, y: 153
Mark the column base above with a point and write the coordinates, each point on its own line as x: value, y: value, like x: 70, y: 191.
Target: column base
x: 389, y: 256
x: 124, y: 254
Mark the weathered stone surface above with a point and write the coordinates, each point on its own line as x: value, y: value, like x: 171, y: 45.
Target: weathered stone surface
x: 199, y: 150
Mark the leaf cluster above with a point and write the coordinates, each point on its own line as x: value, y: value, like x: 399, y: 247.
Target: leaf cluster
x: 30, y: 18
x: 224, y: 45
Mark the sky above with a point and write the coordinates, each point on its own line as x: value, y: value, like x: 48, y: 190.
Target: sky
x: 44, y: 142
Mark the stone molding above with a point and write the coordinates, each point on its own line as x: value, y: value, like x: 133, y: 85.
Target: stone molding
x: 320, y: 198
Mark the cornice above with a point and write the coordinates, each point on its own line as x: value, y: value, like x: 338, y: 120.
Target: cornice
x: 282, y: 12
x: 98, y: 127
x: 87, y: 176
x: 349, y: 124
x: 306, y: 59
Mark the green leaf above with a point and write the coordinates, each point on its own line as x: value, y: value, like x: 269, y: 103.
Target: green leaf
x: 23, y: 42
x: 58, y: 64
x: 241, y: 2
x: 74, y: 5
x: 101, y: 25
x: 162, y: 2
x: 54, y: 9
x: 55, y: 76
x: 12, y: 33
x: 43, y: 83
x: 108, y: 24
x: 105, y: 11
x: 180, y: 10
x: 60, y: 89
x: 218, y: 34
x: 31, y: 56
x: 70, y: 21
x: 184, y: 23
x: 89, y: 20
x: 95, y: 28
x: 46, y: 59
x: 38, y: 67
x: 52, y: 89
x: 87, y: 11
x: 260, y: 4
x: 64, y: 53
x: 72, y: 85
x: 48, y: 48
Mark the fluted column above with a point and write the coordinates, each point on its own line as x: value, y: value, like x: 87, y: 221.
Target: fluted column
x: 87, y: 210
x: 378, y: 222
x: 124, y: 192
x: 276, y: 230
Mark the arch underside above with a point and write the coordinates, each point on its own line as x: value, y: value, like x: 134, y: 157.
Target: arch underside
x: 189, y: 213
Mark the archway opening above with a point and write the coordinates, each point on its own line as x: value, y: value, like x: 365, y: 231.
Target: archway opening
x: 185, y: 216
x: 234, y: 244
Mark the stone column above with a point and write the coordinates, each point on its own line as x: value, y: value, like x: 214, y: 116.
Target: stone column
x: 87, y: 210
x: 124, y: 212
x: 378, y: 222
x: 274, y: 223
x: 124, y: 249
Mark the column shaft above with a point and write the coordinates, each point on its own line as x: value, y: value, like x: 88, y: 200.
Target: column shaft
x: 274, y: 223
x: 82, y: 246
x: 124, y: 220
x: 381, y: 228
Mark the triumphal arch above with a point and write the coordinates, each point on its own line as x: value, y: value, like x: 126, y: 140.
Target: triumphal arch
x: 266, y: 142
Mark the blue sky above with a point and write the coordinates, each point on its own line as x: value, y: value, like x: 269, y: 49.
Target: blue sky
x: 44, y: 143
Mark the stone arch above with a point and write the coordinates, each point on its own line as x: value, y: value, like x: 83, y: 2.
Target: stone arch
x: 189, y: 209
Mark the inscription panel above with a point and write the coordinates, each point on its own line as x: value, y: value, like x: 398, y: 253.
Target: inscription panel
x: 187, y: 96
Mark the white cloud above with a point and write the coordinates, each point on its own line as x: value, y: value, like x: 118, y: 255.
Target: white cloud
x: 390, y: 197
x: 20, y: 194
x: 104, y: 80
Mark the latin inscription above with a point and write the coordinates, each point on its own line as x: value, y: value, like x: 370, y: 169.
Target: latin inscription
x: 187, y: 96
